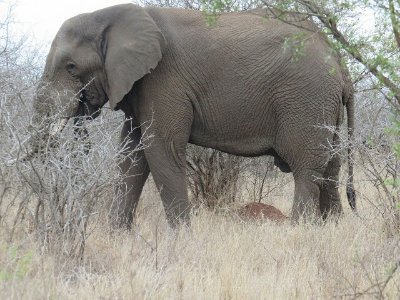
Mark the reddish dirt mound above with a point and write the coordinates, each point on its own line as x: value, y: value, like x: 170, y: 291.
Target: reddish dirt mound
x: 261, y: 211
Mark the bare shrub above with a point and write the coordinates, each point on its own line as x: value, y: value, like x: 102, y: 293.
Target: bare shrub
x: 66, y: 186
x: 377, y: 158
x: 217, y: 179
x: 382, y: 169
x: 262, y: 181
x: 213, y: 176
x: 376, y: 165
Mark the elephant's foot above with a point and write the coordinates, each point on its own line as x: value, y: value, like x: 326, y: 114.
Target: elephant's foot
x: 330, y: 205
x: 123, y: 221
x: 305, y: 212
x: 121, y: 214
x: 178, y: 213
x: 329, y: 199
x: 305, y: 205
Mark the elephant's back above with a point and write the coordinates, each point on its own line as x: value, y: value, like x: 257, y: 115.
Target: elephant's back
x: 243, y: 41
x: 245, y: 55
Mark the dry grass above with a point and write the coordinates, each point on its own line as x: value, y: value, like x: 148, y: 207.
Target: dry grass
x: 219, y: 257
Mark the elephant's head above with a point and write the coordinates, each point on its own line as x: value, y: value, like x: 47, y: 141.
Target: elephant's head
x: 95, y: 58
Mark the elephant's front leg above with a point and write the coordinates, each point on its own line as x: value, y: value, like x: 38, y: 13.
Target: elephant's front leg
x: 167, y: 161
x: 134, y: 170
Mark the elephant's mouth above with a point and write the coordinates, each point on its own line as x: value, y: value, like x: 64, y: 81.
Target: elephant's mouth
x: 86, y: 109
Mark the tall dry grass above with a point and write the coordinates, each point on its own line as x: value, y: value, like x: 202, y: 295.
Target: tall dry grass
x: 218, y: 257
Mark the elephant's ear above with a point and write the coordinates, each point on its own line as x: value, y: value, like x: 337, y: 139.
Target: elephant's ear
x: 131, y: 46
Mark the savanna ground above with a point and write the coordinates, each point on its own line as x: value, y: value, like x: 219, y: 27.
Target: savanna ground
x: 219, y: 257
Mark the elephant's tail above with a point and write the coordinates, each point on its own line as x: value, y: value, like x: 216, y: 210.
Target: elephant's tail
x: 349, y: 103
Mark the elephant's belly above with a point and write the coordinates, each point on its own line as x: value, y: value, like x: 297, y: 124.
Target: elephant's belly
x: 249, y: 147
x: 244, y: 130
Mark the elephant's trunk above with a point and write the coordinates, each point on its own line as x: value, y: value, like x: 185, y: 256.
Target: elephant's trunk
x: 52, y: 108
x: 42, y: 138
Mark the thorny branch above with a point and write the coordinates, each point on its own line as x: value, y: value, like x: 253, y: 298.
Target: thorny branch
x: 395, y: 22
x: 329, y: 21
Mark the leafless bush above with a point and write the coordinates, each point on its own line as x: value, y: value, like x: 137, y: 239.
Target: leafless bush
x: 376, y: 148
x: 213, y: 176
x: 65, y: 187
x: 382, y: 168
x: 377, y: 164
x: 218, y: 179
x: 261, y: 179
x: 18, y: 72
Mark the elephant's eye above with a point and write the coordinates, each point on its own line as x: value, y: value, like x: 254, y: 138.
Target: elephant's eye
x: 70, y: 67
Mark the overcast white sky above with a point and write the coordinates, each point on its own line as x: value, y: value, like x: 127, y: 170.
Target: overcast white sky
x: 43, y: 18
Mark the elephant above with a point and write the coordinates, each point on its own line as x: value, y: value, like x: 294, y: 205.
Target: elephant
x: 234, y: 86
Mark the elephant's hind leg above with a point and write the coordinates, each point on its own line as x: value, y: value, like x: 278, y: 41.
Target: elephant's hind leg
x: 134, y: 170
x: 329, y: 199
x: 306, y: 196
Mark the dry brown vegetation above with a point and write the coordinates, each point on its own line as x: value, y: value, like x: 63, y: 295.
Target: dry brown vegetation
x: 218, y: 257
x: 221, y: 256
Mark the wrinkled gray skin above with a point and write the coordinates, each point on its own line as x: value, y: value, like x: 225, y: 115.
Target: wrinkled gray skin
x: 232, y: 87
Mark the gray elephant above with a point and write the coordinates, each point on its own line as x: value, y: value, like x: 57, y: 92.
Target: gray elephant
x: 234, y: 86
